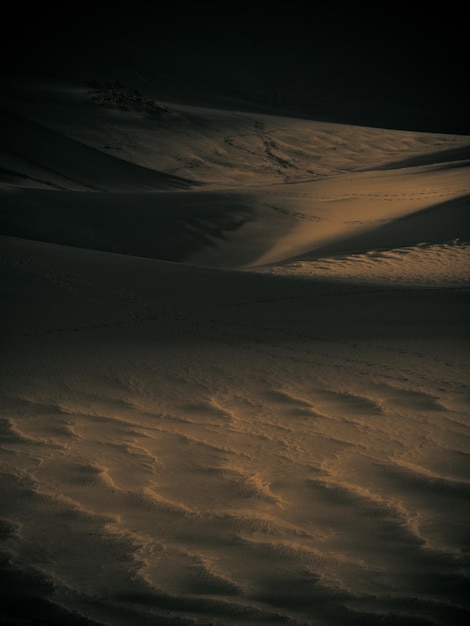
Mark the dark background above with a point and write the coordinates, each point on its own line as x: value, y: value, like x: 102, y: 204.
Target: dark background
x: 377, y: 65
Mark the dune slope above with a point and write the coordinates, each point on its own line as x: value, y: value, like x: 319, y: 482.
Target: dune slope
x: 194, y: 444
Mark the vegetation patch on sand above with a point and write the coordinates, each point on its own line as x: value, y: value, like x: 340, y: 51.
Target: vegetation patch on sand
x: 115, y: 95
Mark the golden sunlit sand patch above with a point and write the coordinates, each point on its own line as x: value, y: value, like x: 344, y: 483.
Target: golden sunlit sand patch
x: 427, y: 264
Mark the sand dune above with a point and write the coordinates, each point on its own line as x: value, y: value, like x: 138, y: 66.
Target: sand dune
x: 37, y: 154
x: 423, y: 264
x: 326, y: 207
x: 234, y: 334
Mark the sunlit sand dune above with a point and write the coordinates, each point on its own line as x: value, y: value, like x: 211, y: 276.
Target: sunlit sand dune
x: 324, y: 207
x: 234, y: 344
x: 425, y: 264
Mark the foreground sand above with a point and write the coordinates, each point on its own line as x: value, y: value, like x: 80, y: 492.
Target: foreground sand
x: 213, y: 447
x: 234, y: 368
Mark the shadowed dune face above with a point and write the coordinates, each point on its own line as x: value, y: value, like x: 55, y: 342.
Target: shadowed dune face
x: 32, y: 151
x: 161, y: 226
x: 234, y: 324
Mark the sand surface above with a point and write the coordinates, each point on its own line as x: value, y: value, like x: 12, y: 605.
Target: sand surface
x: 234, y: 340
